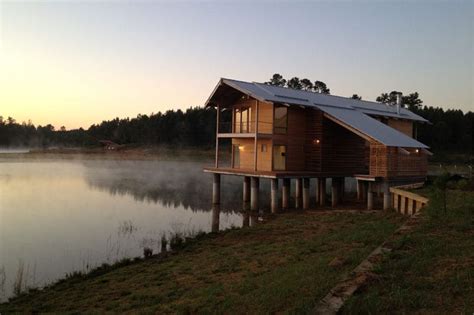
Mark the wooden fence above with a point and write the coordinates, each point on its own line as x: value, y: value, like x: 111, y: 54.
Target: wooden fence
x: 407, y: 202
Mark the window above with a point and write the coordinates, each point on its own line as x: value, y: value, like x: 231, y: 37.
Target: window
x: 242, y: 117
x: 279, y: 157
x: 280, y: 120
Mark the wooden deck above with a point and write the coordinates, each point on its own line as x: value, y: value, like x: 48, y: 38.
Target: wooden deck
x: 265, y: 174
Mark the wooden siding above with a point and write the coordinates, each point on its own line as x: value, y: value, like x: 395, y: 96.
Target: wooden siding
x: 314, y: 131
x: 343, y: 152
x: 391, y: 162
x: 404, y: 126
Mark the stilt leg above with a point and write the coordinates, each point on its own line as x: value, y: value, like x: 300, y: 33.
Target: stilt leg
x: 255, y: 183
x: 274, y: 195
x: 216, y: 189
x: 306, y: 185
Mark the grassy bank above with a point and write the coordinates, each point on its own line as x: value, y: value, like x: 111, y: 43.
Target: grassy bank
x: 286, y: 264
x: 432, y: 269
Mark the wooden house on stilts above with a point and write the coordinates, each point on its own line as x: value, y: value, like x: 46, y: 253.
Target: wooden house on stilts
x: 282, y: 133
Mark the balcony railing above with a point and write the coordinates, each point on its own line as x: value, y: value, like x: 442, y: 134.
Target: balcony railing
x: 228, y: 127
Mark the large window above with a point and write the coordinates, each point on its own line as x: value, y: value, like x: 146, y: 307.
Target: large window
x: 242, y: 120
x: 279, y: 157
x: 280, y: 120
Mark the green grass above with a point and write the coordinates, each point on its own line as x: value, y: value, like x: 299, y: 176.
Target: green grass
x: 432, y: 269
x: 282, y: 265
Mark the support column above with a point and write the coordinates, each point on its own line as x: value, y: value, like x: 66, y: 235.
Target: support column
x: 395, y: 202
x: 285, y: 193
x: 316, y: 188
x: 360, y: 190
x: 216, y: 211
x: 403, y: 205
x: 306, y: 185
x: 342, y: 188
x: 255, y: 181
x: 246, y: 189
x: 370, y: 197
x: 298, y: 193
x: 216, y: 189
x: 274, y: 195
x: 334, y: 192
x: 322, y: 191
x: 387, y: 204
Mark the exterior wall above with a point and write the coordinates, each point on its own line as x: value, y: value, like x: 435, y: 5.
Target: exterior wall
x: 294, y: 139
x: 404, y: 126
x: 343, y: 152
x: 390, y: 162
x: 264, y: 159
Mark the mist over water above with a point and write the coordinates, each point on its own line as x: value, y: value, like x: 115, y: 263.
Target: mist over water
x: 60, y: 216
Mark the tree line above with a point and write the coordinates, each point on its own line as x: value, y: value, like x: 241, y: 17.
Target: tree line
x: 449, y: 130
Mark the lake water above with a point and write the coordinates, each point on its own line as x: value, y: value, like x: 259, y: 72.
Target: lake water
x: 59, y: 216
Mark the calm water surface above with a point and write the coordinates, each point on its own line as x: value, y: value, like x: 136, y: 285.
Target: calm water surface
x: 60, y: 216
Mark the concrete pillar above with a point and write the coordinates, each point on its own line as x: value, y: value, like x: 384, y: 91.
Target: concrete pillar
x: 298, y: 193
x: 285, y: 193
x: 370, y: 197
x: 387, y: 200
x: 342, y: 188
x: 216, y: 189
x: 316, y: 188
x: 360, y: 190
x: 274, y: 195
x: 322, y: 191
x: 246, y: 189
x: 335, y: 191
x: 246, y: 214
x: 306, y: 185
x: 216, y: 211
x: 254, y: 190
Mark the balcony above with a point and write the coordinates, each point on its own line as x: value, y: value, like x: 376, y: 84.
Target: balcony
x: 244, y: 130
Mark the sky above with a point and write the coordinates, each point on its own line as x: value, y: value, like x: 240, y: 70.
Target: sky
x: 75, y: 63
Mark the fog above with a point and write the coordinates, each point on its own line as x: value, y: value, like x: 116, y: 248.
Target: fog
x: 60, y: 215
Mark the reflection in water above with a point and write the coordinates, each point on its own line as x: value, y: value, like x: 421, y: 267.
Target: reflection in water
x: 57, y: 216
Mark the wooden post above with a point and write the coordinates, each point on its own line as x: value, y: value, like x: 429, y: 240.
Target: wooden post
x: 410, y: 206
x: 334, y: 191
x: 285, y: 193
x: 298, y: 193
x: 395, y: 202
x: 306, y: 185
x: 370, y: 197
x: 255, y: 181
x: 256, y: 136
x: 216, y: 189
x: 217, y: 135
x: 386, y: 196
x: 246, y: 189
x: 322, y: 191
x: 274, y: 195
x: 403, y: 204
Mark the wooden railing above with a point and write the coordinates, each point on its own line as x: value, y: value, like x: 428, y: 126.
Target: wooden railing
x: 406, y: 202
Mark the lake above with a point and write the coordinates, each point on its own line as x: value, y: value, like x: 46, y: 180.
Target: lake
x: 58, y: 216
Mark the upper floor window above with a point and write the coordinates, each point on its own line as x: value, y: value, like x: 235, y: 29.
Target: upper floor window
x: 280, y: 120
x: 242, y: 120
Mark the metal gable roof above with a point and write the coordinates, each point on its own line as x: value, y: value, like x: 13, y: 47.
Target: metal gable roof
x: 354, y: 113
x: 372, y: 127
x: 306, y: 98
